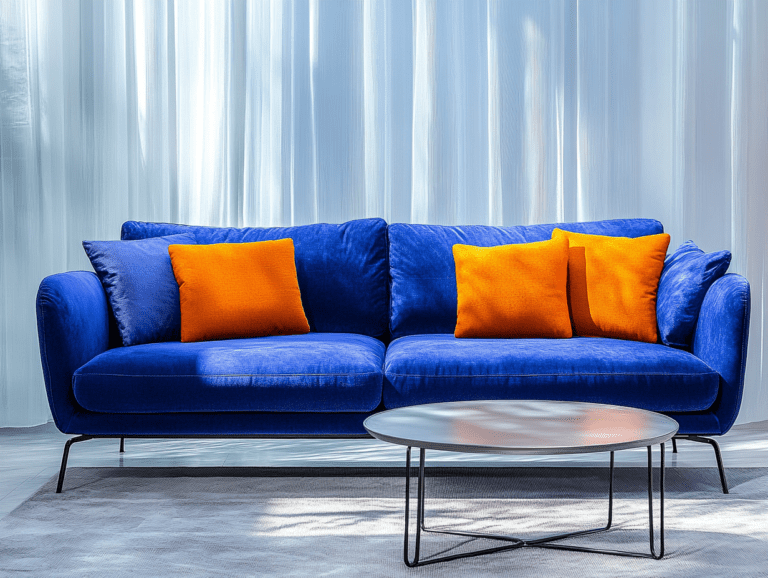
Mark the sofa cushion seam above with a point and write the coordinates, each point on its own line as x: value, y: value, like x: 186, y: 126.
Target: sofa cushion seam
x: 205, y: 375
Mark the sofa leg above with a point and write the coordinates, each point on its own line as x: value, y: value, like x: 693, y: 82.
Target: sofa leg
x: 64, y: 458
x: 674, y: 446
x: 122, y: 445
x: 718, y: 456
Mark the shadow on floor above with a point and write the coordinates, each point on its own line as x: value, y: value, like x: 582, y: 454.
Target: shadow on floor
x: 484, y: 482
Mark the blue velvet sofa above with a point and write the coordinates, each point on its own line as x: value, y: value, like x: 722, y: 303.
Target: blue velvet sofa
x: 381, y: 303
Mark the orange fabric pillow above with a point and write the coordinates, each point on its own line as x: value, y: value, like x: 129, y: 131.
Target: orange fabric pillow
x: 232, y: 290
x: 512, y: 291
x: 612, y: 284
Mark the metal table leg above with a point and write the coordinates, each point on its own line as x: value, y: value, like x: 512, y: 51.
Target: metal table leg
x: 514, y: 542
x: 420, y: 523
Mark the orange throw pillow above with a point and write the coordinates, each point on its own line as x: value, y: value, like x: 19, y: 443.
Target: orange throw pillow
x: 512, y: 291
x: 612, y: 284
x: 233, y: 290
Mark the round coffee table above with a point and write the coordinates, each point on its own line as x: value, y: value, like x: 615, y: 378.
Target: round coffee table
x: 523, y: 427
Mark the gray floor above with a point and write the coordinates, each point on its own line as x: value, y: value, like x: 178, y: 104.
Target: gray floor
x: 29, y: 457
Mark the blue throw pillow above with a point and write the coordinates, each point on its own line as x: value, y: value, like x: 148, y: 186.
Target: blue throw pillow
x: 686, y: 276
x: 142, y: 291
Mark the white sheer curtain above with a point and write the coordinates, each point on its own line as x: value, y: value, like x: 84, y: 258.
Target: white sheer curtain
x: 292, y: 112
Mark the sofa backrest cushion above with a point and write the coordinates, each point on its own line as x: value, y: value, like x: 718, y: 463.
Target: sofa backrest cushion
x: 342, y: 269
x: 423, y: 274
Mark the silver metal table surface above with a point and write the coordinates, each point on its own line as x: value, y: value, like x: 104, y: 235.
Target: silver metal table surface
x: 523, y: 427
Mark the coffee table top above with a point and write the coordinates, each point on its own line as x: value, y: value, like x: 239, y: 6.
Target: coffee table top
x: 521, y: 427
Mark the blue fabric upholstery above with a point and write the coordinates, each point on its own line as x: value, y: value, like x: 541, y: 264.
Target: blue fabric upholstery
x: 720, y: 341
x: 314, y: 372
x: 699, y: 423
x: 141, y: 288
x: 424, y: 275
x: 72, y: 329
x: 267, y: 424
x: 270, y: 424
x: 431, y: 368
x: 685, y: 279
x: 342, y: 269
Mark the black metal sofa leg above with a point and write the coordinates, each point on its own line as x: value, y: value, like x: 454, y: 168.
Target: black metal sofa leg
x: 64, y: 458
x: 718, y: 456
x: 122, y: 445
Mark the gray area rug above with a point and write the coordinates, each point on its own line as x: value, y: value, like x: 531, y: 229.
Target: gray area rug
x: 266, y: 522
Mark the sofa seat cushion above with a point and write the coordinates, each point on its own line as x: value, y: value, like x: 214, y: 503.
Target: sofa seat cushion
x: 315, y: 372
x: 432, y: 368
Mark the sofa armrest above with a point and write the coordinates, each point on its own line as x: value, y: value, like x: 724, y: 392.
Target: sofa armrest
x: 72, y: 328
x: 720, y: 341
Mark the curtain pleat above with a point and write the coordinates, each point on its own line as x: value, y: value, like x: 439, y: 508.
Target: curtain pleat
x: 288, y: 112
